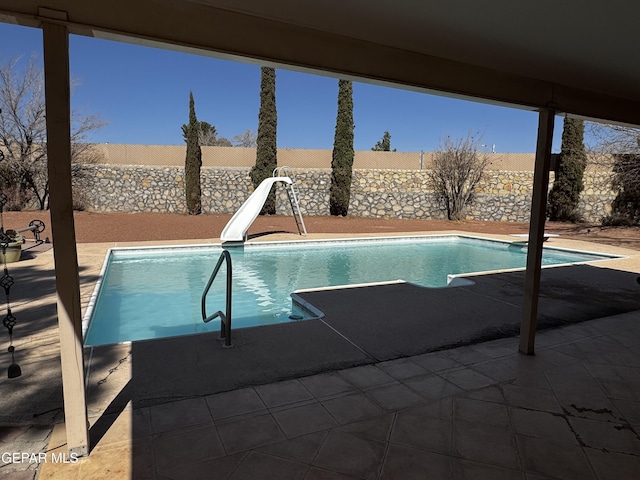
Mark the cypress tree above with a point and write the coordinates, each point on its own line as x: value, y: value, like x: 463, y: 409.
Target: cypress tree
x: 267, y: 147
x: 568, y: 184
x: 192, y: 163
x: 342, y: 157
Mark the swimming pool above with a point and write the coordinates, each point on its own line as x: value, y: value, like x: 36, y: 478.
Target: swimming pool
x: 155, y: 292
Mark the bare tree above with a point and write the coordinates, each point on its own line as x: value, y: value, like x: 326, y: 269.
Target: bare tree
x: 23, y: 136
x: 458, y: 166
x: 247, y: 139
x: 613, y: 139
x: 610, y: 142
x: 616, y: 148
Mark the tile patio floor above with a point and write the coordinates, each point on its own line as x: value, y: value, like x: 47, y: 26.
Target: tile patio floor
x: 478, y: 412
x: 570, y: 412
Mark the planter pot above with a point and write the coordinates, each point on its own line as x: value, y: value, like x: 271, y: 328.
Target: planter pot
x: 12, y: 253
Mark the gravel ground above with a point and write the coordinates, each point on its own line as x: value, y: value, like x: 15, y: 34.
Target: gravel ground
x: 94, y: 227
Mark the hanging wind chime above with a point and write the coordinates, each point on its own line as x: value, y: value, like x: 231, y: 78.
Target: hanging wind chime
x: 6, y: 282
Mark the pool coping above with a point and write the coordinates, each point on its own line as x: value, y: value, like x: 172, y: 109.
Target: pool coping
x: 453, y: 280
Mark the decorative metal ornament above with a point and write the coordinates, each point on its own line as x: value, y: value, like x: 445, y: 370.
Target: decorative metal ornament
x: 6, y: 282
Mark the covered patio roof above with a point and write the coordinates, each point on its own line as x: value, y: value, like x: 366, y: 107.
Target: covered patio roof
x: 576, y: 57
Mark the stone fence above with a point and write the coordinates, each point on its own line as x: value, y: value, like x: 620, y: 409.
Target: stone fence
x: 501, y: 196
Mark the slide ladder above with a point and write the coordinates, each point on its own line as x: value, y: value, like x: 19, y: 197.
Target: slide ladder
x: 292, y: 195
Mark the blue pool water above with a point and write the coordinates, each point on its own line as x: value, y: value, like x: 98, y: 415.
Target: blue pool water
x: 156, y: 292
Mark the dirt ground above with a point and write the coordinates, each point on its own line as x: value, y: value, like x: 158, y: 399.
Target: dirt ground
x: 94, y: 227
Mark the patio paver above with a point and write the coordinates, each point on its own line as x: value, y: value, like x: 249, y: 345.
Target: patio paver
x: 481, y: 411
x: 581, y: 425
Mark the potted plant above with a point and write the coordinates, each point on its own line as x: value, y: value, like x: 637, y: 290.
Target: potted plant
x: 14, y: 246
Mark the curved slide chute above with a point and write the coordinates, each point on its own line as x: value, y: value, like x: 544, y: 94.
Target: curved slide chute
x: 236, y: 229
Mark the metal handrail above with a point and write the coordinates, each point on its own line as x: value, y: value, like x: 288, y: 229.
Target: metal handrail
x: 283, y: 171
x: 225, y: 318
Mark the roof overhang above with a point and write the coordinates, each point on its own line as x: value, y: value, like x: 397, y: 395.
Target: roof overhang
x: 576, y: 58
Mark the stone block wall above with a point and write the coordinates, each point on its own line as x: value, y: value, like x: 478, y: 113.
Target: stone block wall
x: 501, y: 196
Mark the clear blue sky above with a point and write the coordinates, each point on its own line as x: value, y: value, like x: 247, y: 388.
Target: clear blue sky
x: 143, y: 96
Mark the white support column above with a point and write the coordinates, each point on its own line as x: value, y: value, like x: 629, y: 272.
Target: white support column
x: 536, y: 231
x: 57, y: 94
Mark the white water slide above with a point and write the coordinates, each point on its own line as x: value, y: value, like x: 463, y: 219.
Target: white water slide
x: 236, y: 229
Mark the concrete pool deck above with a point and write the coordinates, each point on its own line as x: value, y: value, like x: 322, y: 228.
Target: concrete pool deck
x: 331, y: 399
